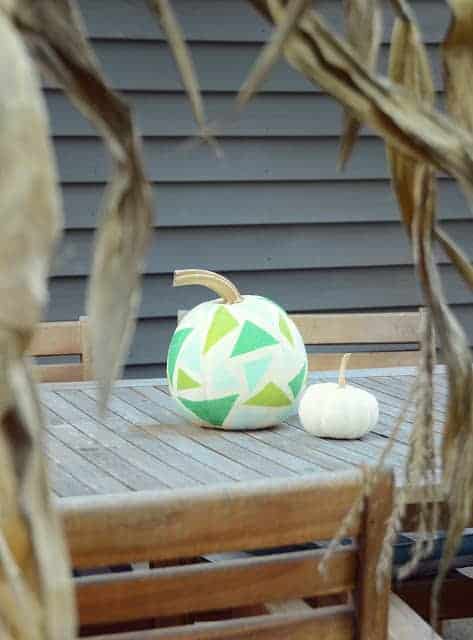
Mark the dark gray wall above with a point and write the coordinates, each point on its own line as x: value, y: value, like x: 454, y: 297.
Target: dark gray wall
x: 274, y: 214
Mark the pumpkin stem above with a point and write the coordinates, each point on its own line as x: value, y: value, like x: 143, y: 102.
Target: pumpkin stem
x: 343, y: 367
x: 214, y: 281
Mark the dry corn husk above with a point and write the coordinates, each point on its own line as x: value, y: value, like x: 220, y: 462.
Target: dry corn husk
x: 458, y: 63
x: 55, y: 32
x: 364, y: 30
x: 36, y: 599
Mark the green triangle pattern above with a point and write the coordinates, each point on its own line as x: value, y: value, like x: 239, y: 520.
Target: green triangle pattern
x: 284, y: 329
x: 297, y: 382
x: 223, y: 322
x: 251, y: 338
x: 255, y: 370
x: 211, y: 411
x: 174, y: 349
x: 270, y: 396
x: 184, y: 381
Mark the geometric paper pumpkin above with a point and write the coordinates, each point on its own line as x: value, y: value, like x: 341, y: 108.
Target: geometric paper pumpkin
x: 236, y: 362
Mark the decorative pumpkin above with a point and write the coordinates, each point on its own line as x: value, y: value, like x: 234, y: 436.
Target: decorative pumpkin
x: 338, y: 410
x: 236, y: 362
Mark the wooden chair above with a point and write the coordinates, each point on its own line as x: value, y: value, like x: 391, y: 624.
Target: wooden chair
x: 211, y: 600
x: 334, y: 329
x: 63, y: 339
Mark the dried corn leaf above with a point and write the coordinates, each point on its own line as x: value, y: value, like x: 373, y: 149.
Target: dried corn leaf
x: 412, y: 126
x: 184, y: 62
x: 54, y: 30
x: 458, y: 63
x: 409, y: 67
x: 272, y: 51
x: 363, y: 20
x: 36, y: 599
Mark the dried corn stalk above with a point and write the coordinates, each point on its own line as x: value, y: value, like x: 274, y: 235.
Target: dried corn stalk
x: 458, y: 63
x: 54, y: 30
x: 364, y: 30
x: 36, y: 600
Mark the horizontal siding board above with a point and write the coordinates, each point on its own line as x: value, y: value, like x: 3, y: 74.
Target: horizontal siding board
x: 266, y: 247
x: 169, y: 114
x: 253, y: 159
x: 298, y: 290
x: 256, y: 203
x: 230, y: 20
x: 148, y: 65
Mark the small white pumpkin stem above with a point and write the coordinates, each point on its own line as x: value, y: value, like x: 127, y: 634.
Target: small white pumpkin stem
x: 214, y: 281
x: 343, y: 367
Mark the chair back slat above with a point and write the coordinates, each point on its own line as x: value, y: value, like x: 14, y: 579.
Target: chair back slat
x: 105, y: 530
x: 69, y: 338
x: 207, y: 586
x: 134, y: 527
x: 358, y: 328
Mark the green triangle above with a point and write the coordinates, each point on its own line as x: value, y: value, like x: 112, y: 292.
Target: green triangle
x: 174, y: 349
x: 184, y: 381
x: 297, y: 382
x: 223, y: 322
x: 270, y: 396
x: 284, y: 329
x: 251, y: 338
x: 212, y: 411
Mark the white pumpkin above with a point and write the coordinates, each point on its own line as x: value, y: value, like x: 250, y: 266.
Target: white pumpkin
x: 337, y: 409
x: 237, y: 362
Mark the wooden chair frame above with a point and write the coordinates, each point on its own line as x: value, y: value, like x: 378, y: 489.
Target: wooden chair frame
x: 63, y: 339
x: 130, y: 528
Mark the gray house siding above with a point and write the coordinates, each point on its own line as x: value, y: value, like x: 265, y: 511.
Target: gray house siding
x: 274, y: 214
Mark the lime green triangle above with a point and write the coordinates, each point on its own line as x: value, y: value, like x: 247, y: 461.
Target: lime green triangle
x: 211, y: 411
x: 184, y: 381
x: 223, y: 322
x: 297, y: 382
x: 251, y: 338
x: 174, y: 349
x: 270, y: 396
x: 284, y: 329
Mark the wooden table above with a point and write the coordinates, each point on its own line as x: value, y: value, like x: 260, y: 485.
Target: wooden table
x: 142, y: 442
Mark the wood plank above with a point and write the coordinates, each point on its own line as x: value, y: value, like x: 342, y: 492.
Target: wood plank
x: 361, y: 360
x: 164, y: 525
x: 87, y: 472
x: 63, y: 483
x: 373, y: 599
x: 358, y: 328
x: 212, y: 586
x: 67, y: 372
x: 141, y: 452
x: 56, y: 338
x: 329, y: 623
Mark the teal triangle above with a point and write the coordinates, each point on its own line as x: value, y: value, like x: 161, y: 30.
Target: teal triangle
x: 191, y: 357
x: 224, y: 380
x: 297, y: 382
x: 174, y: 349
x: 255, y: 370
x: 251, y: 338
x: 211, y: 411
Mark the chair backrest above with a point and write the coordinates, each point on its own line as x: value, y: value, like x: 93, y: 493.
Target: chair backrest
x: 62, y: 339
x: 333, y: 329
x: 136, y: 527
